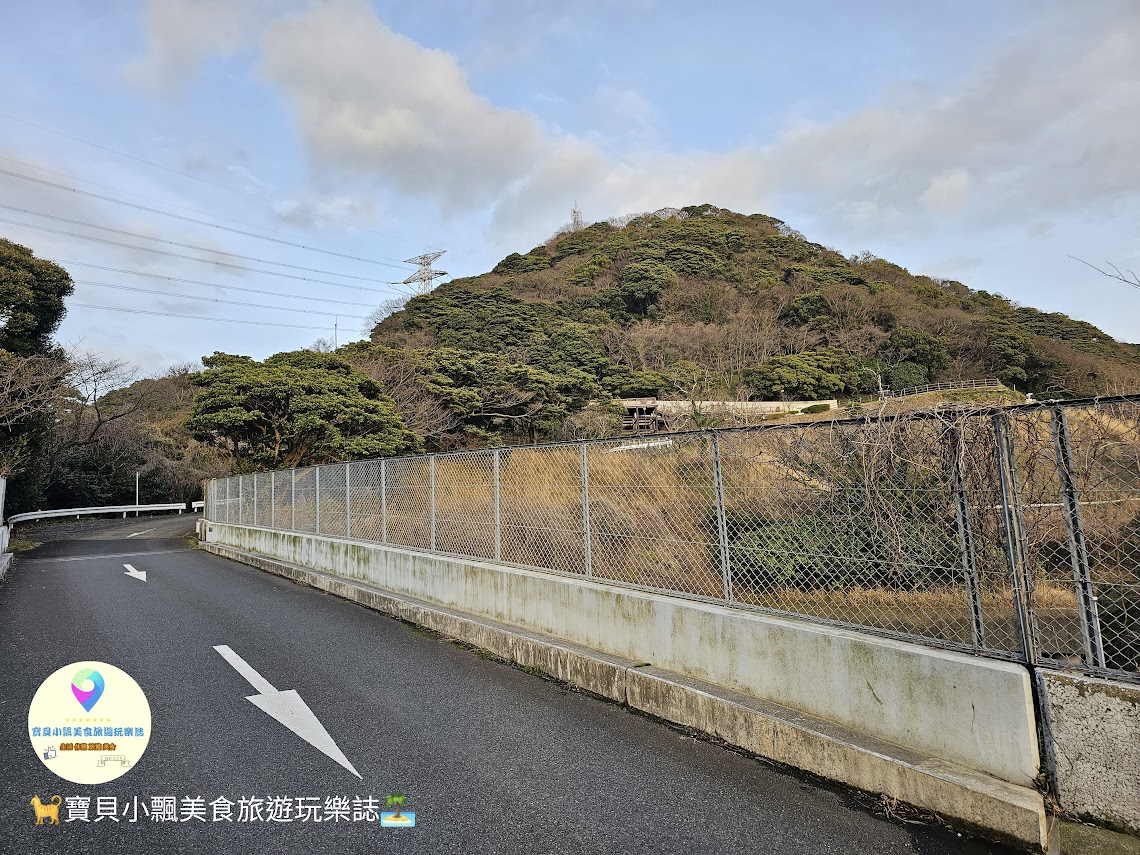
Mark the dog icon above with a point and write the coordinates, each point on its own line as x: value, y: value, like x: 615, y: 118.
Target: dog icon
x: 48, y: 812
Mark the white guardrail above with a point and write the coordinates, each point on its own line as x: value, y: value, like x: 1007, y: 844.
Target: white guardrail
x: 111, y: 509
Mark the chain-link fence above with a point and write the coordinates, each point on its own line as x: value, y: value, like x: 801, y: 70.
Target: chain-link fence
x: 1006, y: 532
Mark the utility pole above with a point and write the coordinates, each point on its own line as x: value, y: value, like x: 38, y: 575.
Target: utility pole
x: 136, y: 492
x: 336, y: 324
x: 424, y: 277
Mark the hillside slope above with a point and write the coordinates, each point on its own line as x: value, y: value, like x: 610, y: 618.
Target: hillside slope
x: 706, y: 303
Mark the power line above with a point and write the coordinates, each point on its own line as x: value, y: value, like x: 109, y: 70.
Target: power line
x: 190, y: 245
x: 183, y: 174
x: 217, y: 300
x: 200, y: 260
x: 180, y: 216
x: 210, y: 284
x: 195, y: 317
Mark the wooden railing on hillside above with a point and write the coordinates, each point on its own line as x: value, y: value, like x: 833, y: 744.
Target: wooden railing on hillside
x: 988, y: 383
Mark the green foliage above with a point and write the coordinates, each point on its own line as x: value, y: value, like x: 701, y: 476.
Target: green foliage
x: 918, y: 348
x: 816, y: 408
x: 806, y: 376
x: 1082, y: 336
x: 537, y: 259
x: 1007, y: 346
x: 31, y: 300
x: 799, y: 552
x: 294, y: 409
x: 906, y: 375
x: 805, y: 309
x: 642, y: 283
x: 470, y: 318
x: 492, y: 394
x: 695, y: 261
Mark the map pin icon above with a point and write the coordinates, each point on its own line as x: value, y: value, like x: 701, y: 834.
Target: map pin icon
x: 87, y: 697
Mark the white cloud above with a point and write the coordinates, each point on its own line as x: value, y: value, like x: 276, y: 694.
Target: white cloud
x: 1047, y: 124
x: 947, y: 192
x: 368, y: 100
x: 181, y: 34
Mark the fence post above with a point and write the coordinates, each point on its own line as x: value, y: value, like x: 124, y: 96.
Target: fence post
x: 497, y: 466
x: 255, y: 498
x: 431, y: 496
x: 228, y: 507
x: 1015, y: 544
x: 383, y: 501
x: 241, y: 497
x: 317, y: 493
x: 292, y: 499
x: 273, y: 500
x: 1078, y: 548
x: 966, y: 537
x: 721, y: 520
x: 587, y: 553
x: 347, y: 502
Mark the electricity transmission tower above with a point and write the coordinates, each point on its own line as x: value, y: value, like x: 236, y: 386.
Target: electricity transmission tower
x: 576, y: 219
x: 423, y: 278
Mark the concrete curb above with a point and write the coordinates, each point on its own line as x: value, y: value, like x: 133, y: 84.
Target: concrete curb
x: 997, y: 809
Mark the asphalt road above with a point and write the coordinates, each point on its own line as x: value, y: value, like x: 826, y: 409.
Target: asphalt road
x: 491, y: 759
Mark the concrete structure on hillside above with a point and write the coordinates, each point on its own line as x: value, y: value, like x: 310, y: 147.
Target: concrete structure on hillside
x: 653, y: 414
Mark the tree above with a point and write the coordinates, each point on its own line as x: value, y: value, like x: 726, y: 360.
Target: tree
x: 31, y: 300
x: 397, y: 801
x: 492, y: 394
x: 400, y: 374
x: 808, y: 376
x: 295, y: 408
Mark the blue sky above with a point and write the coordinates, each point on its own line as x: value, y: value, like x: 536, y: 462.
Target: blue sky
x: 980, y: 141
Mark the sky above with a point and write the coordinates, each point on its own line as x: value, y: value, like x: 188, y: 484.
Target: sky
x: 291, y: 153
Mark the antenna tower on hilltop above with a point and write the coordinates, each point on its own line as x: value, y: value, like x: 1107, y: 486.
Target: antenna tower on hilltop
x: 423, y: 278
x: 576, y: 219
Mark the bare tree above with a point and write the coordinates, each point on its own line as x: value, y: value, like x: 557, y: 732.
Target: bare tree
x: 385, y: 309
x: 1128, y: 277
x: 29, y: 385
x: 421, y: 411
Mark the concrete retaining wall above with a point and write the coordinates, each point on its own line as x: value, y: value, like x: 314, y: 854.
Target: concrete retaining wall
x: 973, y: 712
x: 1094, y: 727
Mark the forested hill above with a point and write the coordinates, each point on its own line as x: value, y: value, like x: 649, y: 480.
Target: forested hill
x: 707, y: 303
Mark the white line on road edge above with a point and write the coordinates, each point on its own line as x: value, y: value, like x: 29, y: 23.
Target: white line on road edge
x: 135, y: 574
x: 137, y: 533
x: 100, y: 557
x: 288, y: 708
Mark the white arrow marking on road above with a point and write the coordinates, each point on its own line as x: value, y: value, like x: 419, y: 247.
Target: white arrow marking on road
x: 137, y: 533
x: 135, y: 574
x: 288, y: 708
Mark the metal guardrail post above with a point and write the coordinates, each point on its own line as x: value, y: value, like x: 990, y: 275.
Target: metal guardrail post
x: 431, y: 496
x: 317, y: 493
x: 293, y: 500
x: 1016, y: 548
x: 347, y: 501
x: 1078, y: 548
x: 383, y: 501
x: 721, y: 520
x: 496, y: 469
x: 966, y: 537
x: 587, y: 551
